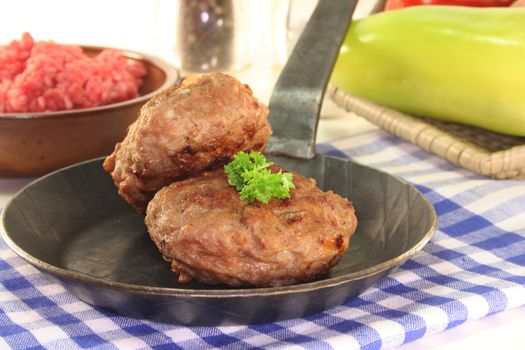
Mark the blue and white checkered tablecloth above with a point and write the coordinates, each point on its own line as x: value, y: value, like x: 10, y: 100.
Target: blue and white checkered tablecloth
x: 473, y: 267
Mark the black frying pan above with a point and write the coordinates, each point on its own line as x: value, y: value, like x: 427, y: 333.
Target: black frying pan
x: 73, y: 225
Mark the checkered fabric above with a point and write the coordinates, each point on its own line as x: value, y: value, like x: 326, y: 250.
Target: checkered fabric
x: 473, y: 267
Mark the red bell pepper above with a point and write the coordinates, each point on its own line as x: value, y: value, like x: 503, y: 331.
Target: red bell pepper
x: 397, y: 4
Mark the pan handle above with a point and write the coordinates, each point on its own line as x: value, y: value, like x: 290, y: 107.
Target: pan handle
x: 297, y: 96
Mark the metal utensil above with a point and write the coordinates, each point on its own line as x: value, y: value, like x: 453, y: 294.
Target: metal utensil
x: 71, y: 242
x: 297, y: 97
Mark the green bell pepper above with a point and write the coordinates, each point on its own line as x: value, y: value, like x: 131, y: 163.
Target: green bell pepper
x: 459, y: 64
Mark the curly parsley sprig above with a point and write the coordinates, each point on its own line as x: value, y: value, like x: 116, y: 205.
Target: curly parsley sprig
x: 249, y: 174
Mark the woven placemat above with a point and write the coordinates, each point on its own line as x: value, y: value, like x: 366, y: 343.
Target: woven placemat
x: 481, y: 151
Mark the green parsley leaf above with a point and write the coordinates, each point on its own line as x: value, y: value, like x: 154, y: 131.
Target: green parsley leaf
x: 248, y: 173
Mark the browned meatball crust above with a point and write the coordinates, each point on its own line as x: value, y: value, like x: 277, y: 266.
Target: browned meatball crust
x: 197, y: 125
x: 208, y: 234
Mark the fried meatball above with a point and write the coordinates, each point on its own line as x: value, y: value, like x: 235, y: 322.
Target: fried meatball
x: 197, y: 125
x: 208, y: 234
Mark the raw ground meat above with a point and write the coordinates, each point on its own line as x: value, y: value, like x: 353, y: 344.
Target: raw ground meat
x: 45, y: 76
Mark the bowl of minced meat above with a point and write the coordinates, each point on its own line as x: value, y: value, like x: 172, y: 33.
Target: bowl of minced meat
x: 62, y: 104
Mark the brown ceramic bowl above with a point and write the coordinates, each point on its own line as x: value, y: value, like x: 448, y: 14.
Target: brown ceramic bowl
x: 36, y: 143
